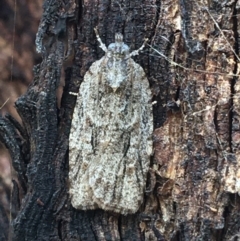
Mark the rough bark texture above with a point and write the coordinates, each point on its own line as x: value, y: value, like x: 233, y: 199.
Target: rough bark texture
x: 16, y: 74
x: 192, y: 66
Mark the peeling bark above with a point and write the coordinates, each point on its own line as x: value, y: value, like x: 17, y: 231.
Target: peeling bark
x: 192, y: 66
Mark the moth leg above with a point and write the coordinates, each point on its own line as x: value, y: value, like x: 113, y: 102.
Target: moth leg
x: 73, y: 93
x: 136, y: 52
x: 102, y: 45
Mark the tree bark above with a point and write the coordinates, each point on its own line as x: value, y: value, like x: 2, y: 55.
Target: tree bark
x: 192, y: 65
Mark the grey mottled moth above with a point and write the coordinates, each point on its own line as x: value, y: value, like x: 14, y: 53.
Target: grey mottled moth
x: 111, y: 133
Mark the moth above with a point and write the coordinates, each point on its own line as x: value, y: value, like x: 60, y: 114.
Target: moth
x: 110, y: 141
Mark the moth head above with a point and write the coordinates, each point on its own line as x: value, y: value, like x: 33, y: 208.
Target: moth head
x: 118, y: 38
x: 118, y: 50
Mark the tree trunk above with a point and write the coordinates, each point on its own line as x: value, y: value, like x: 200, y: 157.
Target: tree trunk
x: 192, y: 66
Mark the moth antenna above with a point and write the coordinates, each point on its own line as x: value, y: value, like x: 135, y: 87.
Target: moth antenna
x: 136, y: 52
x: 102, y: 45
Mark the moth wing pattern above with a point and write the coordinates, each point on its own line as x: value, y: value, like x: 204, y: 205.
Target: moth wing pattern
x: 111, y: 137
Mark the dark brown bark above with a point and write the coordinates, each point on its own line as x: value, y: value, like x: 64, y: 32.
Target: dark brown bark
x: 192, y: 69
x: 21, y: 19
